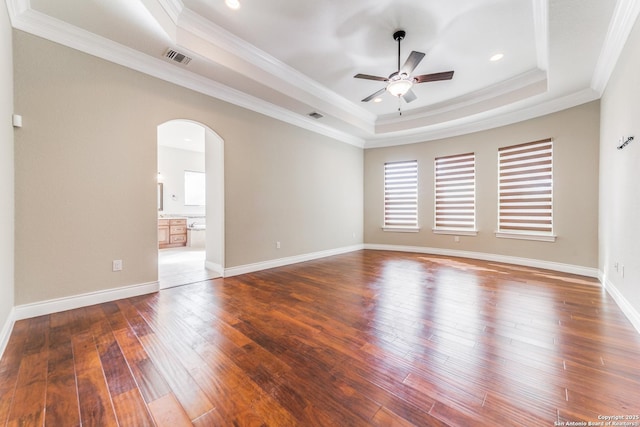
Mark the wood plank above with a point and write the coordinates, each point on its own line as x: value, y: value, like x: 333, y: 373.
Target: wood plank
x: 385, y: 417
x: 132, y: 410
x: 10, y: 367
x: 62, y: 401
x: 167, y: 412
x: 115, y: 317
x: 211, y: 418
x: 186, y: 390
x: 62, y: 393
x: 96, y: 407
x: 37, y: 340
x: 151, y: 383
x: 29, y: 400
x: 115, y: 367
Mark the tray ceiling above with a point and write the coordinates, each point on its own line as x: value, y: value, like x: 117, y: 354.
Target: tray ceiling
x: 287, y: 58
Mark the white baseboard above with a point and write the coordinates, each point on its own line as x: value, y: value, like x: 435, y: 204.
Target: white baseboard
x: 629, y: 311
x: 41, y: 308
x: 212, y: 266
x: 250, y: 268
x: 528, y: 262
x: 5, y: 332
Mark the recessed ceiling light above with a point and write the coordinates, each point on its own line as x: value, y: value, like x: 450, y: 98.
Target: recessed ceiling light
x: 233, y: 4
x: 377, y: 99
x: 497, y: 57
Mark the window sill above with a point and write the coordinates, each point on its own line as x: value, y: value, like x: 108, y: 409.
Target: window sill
x: 402, y: 229
x: 455, y: 232
x: 526, y: 236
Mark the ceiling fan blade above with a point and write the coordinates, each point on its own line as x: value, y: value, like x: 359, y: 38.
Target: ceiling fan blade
x: 374, y: 95
x: 412, y: 62
x: 446, y: 75
x: 370, y: 77
x: 410, y: 96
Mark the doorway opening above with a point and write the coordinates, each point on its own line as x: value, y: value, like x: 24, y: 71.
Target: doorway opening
x: 190, y: 203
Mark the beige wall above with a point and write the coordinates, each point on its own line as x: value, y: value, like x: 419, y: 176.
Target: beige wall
x: 6, y: 171
x: 575, y: 134
x: 620, y: 175
x: 86, y: 175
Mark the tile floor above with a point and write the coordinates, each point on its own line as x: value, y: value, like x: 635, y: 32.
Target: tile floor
x: 180, y: 266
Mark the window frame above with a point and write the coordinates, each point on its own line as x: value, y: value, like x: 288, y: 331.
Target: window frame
x: 458, y: 174
x: 534, y: 210
x: 396, y: 219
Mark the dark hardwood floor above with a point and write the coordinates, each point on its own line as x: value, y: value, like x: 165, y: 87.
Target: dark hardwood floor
x: 365, y: 338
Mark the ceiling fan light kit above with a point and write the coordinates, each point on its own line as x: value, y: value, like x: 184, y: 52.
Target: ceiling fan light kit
x: 400, y: 82
x: 399, y: 87
x: 233, y: 4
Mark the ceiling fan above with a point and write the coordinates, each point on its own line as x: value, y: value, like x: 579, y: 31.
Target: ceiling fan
x: 400, y: 82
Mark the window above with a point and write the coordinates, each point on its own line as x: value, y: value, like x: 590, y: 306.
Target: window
x: 401, y: 196
x: 194, y: 188
x: 455, y: 194
x: 525, y: 191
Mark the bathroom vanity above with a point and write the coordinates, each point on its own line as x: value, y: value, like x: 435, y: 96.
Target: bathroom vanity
x: 172, y: 232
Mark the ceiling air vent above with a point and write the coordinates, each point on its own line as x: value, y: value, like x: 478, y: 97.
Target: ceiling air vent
x: 316, y: 115
x: 176, y: 56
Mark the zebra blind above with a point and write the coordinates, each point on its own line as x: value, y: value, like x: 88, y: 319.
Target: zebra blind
x: 455, y: 192
x: 525, y: 188
x: 401, y: 194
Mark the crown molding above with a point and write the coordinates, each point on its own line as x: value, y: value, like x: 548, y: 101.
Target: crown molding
x: 541, y: 31
x: 489, y: 120
x: 624, y: 17
x: 17, y: 8
x: 42, y: 25
x: 490, y: 95
x: 173, y: 8
x: 166, y: 14
x: 309, y: 90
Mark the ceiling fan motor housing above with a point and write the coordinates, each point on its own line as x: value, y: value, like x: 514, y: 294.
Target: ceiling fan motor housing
x: 399, y: 35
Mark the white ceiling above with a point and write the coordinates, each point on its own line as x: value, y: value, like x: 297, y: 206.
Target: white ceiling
x: 288, y: 58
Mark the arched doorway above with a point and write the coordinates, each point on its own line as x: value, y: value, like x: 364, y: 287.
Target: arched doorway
x: 191, y: 203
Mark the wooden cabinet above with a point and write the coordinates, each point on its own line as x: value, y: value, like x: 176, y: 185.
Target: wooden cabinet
x: 172, y: 232
x: 163, y: 232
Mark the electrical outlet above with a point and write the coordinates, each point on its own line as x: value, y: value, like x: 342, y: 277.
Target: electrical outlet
x: 117, y: 265
x: 277, y: 245
x: 456, y: 239
x: 615, y: 265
